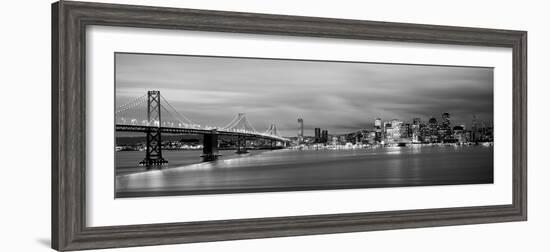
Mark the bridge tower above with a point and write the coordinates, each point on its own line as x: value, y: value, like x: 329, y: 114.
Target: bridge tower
x: 210, y: 146
x: 272, y: 130
x: 241, y: 145
x: 153, y: 155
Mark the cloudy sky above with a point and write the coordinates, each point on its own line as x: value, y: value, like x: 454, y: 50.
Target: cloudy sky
x: 338, y: 96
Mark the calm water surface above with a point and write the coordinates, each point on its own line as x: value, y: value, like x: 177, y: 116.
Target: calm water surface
x: 281, y: 170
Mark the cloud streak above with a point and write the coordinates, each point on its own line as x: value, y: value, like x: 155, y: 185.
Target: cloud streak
x: 338, y: 96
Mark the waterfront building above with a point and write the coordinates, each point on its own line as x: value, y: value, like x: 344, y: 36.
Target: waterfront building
x: 474, y: 135
x: 317, y: 135
x: 490, y: 131
x: 460, y: 134
x: 370, y: 138
x: 432, y: 134
x: 378, y: 130
x: 342, y: 139
x: 300, y: 130
x: 484, y: 132
x: 392, y: 131
x: 405, y: 132
x: 446, y: 120
x: 378, y: 123
x: 445, y: 131
x: 415, y: 130
x: 352, y: 137
x: 324, y: 136
x: 334, y: 140
x: 432, y: 123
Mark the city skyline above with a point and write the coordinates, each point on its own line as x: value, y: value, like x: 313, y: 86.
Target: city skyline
x: 339, y: 96
x: 372, y: 125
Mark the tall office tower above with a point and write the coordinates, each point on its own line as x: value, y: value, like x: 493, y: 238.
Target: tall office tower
x: 324, y: 136
x: 474, y: 129
x: 378, y: 123
x: 300, y: 130
x: 446, y: 126
x: 415, y: 130
x: 317, y: 135
x: 392, y: 131
x: 459, y: 133
x: 378, y: 130
x: 446, y: 120
x: 405, y: 131
x: 433, y: 134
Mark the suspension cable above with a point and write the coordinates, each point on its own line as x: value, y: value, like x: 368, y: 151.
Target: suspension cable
x: 175, y: 110
x: 130, y: 104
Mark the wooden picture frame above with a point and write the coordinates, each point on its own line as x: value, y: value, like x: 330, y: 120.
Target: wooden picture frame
x: 69, y: 20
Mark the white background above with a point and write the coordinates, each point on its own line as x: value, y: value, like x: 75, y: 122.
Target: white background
x: 25, y: 78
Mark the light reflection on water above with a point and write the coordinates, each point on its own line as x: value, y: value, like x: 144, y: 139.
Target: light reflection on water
x: 396, y: 166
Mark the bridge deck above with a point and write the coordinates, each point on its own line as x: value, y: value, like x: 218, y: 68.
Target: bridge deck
x: 195, y: 131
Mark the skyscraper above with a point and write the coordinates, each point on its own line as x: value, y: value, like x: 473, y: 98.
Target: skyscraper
x: 405, y: 131
x: 378, y: 123
x: 446, y: 126
x: 300, y: 130
x: 324, y: 136
x: 317, y: 135
x: 446, y: 120
x: 392, y: 131
x: 378, y: 130
x: 415, y: 128
x: 474, y: 129
x: 432, y: 134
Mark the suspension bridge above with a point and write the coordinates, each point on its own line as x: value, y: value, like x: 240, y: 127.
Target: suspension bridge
x: 143, y: 114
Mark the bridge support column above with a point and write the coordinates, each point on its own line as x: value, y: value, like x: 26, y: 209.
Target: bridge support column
x: 241, y: 145
x: 210, y: 147
x: 153, y: 155
x: 153, y: 152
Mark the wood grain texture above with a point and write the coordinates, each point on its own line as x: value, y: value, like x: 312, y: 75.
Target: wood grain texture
x: 69, y: 20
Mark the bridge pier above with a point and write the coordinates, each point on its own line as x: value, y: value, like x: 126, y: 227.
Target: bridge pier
x: 153, y: 152
x: 241, y: 142
x: 210, y: 147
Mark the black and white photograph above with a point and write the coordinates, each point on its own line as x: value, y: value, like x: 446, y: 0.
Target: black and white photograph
x: 274, y: 126
x: 192, y: 124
